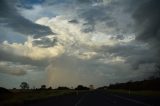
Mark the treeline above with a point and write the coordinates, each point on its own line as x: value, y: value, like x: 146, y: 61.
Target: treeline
x: 150, y: 84
x: 79, y: 87
x: 25, y: 86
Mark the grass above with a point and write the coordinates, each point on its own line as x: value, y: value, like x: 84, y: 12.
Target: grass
x: 136, y: 93
x: 19, y: 97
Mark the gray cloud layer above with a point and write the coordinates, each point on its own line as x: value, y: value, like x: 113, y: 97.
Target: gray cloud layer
x: 147, y: 18
x: 10, y: 17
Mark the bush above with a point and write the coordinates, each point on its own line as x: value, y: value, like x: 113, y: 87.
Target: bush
x: 81, y: 87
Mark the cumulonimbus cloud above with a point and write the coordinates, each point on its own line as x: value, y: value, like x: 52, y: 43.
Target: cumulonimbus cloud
x: 95, y: 43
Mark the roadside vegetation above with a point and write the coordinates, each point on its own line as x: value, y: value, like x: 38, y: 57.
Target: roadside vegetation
x: 24, y: 95
x: 149, y: 87
x: 148, y: 93
x: 21, y: 96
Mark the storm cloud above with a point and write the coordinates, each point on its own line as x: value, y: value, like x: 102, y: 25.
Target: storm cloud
x: 10, y: 17
x: 147, y: 21
x: 94, y: 41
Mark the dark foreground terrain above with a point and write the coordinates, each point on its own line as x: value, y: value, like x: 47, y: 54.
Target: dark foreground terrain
x: 97, y: 98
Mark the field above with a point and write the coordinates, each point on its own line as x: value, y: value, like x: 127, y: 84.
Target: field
x: 18, y: 97
x: 23, y: 97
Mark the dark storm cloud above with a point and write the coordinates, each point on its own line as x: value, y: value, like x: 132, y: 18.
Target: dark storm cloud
x: 84, y: 1
x: 114, y: 14
x: 95, y: 14
x: 74, y: 21
x: 2, y: 35
x: 89, y: 1
x: 28, y: 4
x: 147, y: 18
x: 10, y: 17
x: 127, y: 5
x: 134, y: 53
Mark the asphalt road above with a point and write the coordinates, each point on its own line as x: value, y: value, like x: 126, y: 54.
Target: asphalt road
x: 97, y: 98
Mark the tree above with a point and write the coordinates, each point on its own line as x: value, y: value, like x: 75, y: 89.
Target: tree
x: 81, y: 87
x: 50, y: 88
x: 24, y: 85
x: 91, y: 87
x: 43, y: 87
x: 62, y: 88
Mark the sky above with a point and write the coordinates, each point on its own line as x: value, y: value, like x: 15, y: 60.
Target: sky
x: 72, y: 42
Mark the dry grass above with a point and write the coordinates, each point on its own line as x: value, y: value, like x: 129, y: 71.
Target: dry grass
x: 18, y: 97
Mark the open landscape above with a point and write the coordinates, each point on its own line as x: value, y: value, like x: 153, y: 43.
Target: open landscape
x: 79, y: 52
x: 83, y: 98
x: 121, y: 95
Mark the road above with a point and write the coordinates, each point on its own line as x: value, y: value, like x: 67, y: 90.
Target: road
x: 96, y: 98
